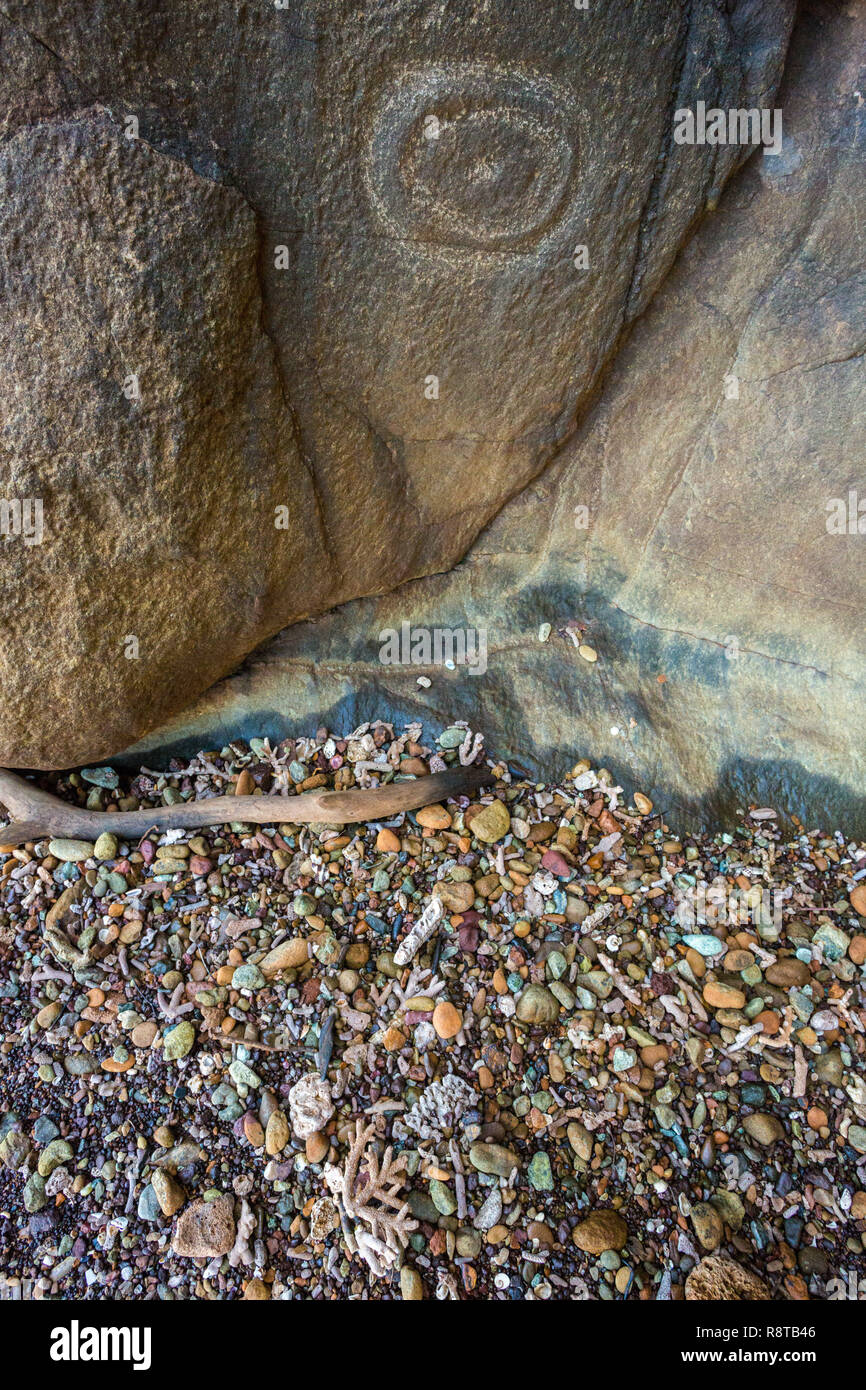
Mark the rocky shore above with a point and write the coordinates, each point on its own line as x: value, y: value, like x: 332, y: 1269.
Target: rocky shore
x: 533, y: 1046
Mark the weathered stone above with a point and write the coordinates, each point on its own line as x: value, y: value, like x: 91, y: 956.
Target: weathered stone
x: 178, y: 1041
x: 718, y: 1278
x: 205, y: 1229
x: 14, y: 1149
x: 708, y: 1224
x: 411, y: 1287
x: 492, y: 823
x: 147, y: 377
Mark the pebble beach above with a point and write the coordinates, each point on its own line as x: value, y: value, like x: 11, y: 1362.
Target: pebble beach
x: 533, y: 1045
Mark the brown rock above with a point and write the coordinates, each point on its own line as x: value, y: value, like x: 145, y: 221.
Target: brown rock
x: 169, y: 1192
x: 49, y: 1014
x: 256, y: 1290
x: 277, y: 1133
x: 289, y: 955
x: 718, y: 1278
x: 446, y: 1019
x: 387, y: 842
x: 205, y: 1229
x: 764, y: 1129
x: 708, y: 1224
x: 457, y: 897
x: 253, y: 1132
x: 491, y: 823
x: 857, y: 949
x: 393, y: 1039
x: 316, y: 1147
x: 788, y: 972
x: 600, y: 1231
x: 434, y: 817
x: 135, y: 384
x: 721, y: 996
x: 858, y: 898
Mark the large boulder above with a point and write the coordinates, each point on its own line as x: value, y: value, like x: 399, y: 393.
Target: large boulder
x: 340, y: 247
x: 706, y: 571
x: 145, y: 442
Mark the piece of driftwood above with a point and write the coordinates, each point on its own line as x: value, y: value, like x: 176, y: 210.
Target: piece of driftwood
x: 38, y: 813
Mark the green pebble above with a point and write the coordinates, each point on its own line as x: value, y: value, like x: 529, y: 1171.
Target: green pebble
x: 178, y: 1042
x: 52, y: 1156
x: 244, y: 1075
x: 443, y: 1198
x: 248, y: 977
x: 106, y: 846
x: 71, y: 851
x: 539, y: 1172
x: 34, y: 1193
x: 556, y: 965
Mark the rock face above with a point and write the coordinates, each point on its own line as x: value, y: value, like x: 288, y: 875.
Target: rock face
x: 682, y: 534
x: 319, y: 258
x: 144, y: 436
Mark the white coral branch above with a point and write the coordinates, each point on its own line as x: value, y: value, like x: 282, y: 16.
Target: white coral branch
x: 375, y: 1211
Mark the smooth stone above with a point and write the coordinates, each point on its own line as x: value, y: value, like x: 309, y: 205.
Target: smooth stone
x: 705, y: 945
x: 71, y: 851
x: 289, y: 955
x: 411, y: 1286
x: 537, y: 1006
x: 149, y: 1208
x: 443, y: 1198
x: 169, y: 1193
x: 764, y: 1129
x: 277, y: 1133
x: 493, y: 1158
x: 580, y: 1140
x: 53, y: 1156
x: 721, y: 996
x: 106, y: 846
x: 601, y: 1230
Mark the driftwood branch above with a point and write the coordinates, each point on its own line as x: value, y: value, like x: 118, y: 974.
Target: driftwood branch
x: 38, y: 813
